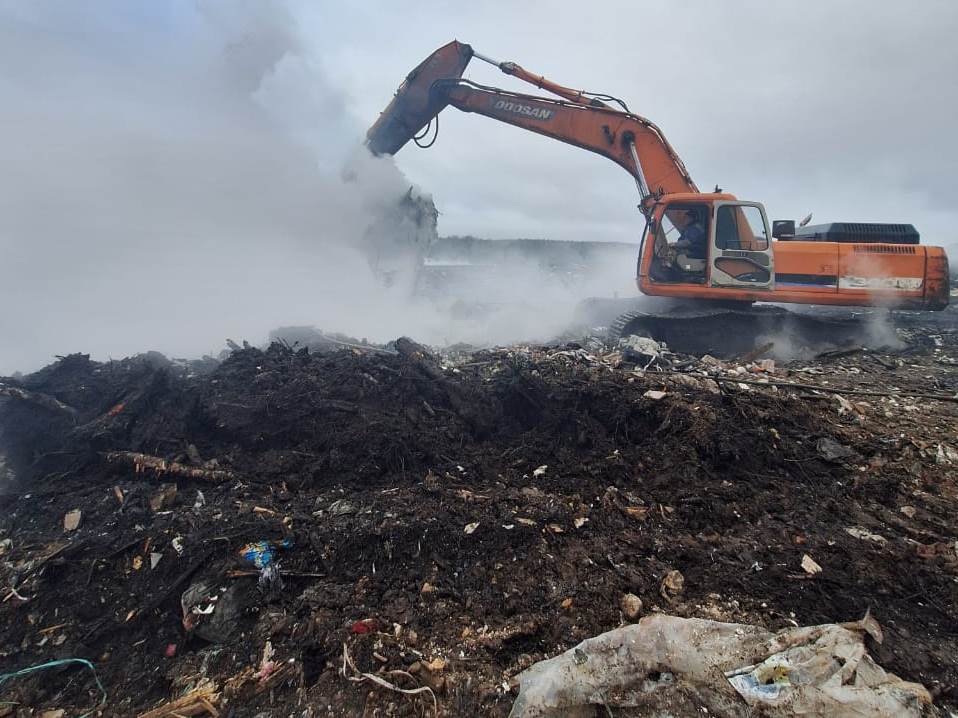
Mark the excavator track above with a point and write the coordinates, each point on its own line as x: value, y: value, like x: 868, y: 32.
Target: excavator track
x: 727, y: 332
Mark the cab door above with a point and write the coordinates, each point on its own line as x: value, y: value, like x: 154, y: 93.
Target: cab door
x: 741, y: 247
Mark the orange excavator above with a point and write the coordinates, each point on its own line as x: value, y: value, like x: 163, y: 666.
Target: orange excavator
x: 709, y: 247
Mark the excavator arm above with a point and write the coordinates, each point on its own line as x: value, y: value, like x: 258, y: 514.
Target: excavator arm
x: 581, y: 119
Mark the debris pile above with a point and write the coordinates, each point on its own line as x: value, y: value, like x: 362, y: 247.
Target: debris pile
x: 386, y: 529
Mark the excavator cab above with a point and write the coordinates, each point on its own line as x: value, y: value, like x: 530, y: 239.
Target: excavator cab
x: 708, y: 249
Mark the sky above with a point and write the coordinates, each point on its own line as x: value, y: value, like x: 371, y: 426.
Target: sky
x: 174, y: 171
x: 843, y: 109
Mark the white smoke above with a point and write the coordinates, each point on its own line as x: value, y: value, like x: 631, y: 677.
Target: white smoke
x: 177, y: 175
x: 175, y: 189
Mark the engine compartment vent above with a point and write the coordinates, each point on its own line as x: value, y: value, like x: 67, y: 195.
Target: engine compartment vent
x: 858, y: 233
x: 883, y: 249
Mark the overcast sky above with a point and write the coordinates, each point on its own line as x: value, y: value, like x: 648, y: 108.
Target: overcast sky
x: 842, y: 108
x: 172, y: 171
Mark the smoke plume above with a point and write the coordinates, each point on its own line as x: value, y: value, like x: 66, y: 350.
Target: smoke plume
x: 174, y: 191
x: 181, y: 174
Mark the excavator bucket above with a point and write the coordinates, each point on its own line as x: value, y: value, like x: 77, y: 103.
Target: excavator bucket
x: 414, y: 106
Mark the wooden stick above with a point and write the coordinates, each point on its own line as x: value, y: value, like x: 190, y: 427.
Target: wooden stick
x: 51, y: 629
x: 197, y: 702
x: 142, y: 462
x: 756, y: 353
x: 813, y: 387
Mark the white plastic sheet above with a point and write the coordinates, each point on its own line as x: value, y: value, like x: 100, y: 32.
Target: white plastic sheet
x: 670, y: 666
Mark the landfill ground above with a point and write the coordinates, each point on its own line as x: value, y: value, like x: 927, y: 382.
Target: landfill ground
x: 444, y: 522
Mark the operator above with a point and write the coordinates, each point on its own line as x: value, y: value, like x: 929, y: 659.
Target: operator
x: 692, y: 241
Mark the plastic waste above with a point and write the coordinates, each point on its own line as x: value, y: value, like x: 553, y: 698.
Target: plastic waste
x: 367, y: 625
x: 641, y: 350
x: 270, y: 580
x: 665, y: 665
x: 262, y: 553
x: 213, y: 612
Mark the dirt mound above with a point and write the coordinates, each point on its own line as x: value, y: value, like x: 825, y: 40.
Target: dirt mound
x: 452, y: 523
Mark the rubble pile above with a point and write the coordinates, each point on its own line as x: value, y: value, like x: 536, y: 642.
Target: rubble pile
x: 387, y: 531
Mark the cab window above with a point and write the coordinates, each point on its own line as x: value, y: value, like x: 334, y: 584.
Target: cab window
x: 740, y: 227
x: 677, y: 220
x: 666, y: 230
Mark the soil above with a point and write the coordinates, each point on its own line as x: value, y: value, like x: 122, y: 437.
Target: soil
x: 450, y: 521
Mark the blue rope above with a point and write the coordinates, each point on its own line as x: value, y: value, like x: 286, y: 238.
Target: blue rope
x: 4, y: 677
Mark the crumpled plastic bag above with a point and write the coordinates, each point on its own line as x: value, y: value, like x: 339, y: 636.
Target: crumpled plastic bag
x: 214, y: 613
x: 642, y: 350
x: 262, y: 553
x: 670, y: 666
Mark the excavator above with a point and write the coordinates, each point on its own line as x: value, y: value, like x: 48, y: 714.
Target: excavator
x: 709, y: 255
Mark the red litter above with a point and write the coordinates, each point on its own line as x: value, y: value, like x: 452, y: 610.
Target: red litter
x: 367, y: 625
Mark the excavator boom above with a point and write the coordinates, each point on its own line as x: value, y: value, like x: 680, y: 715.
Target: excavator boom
x: 630, y: 141
x: 578, y: 119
